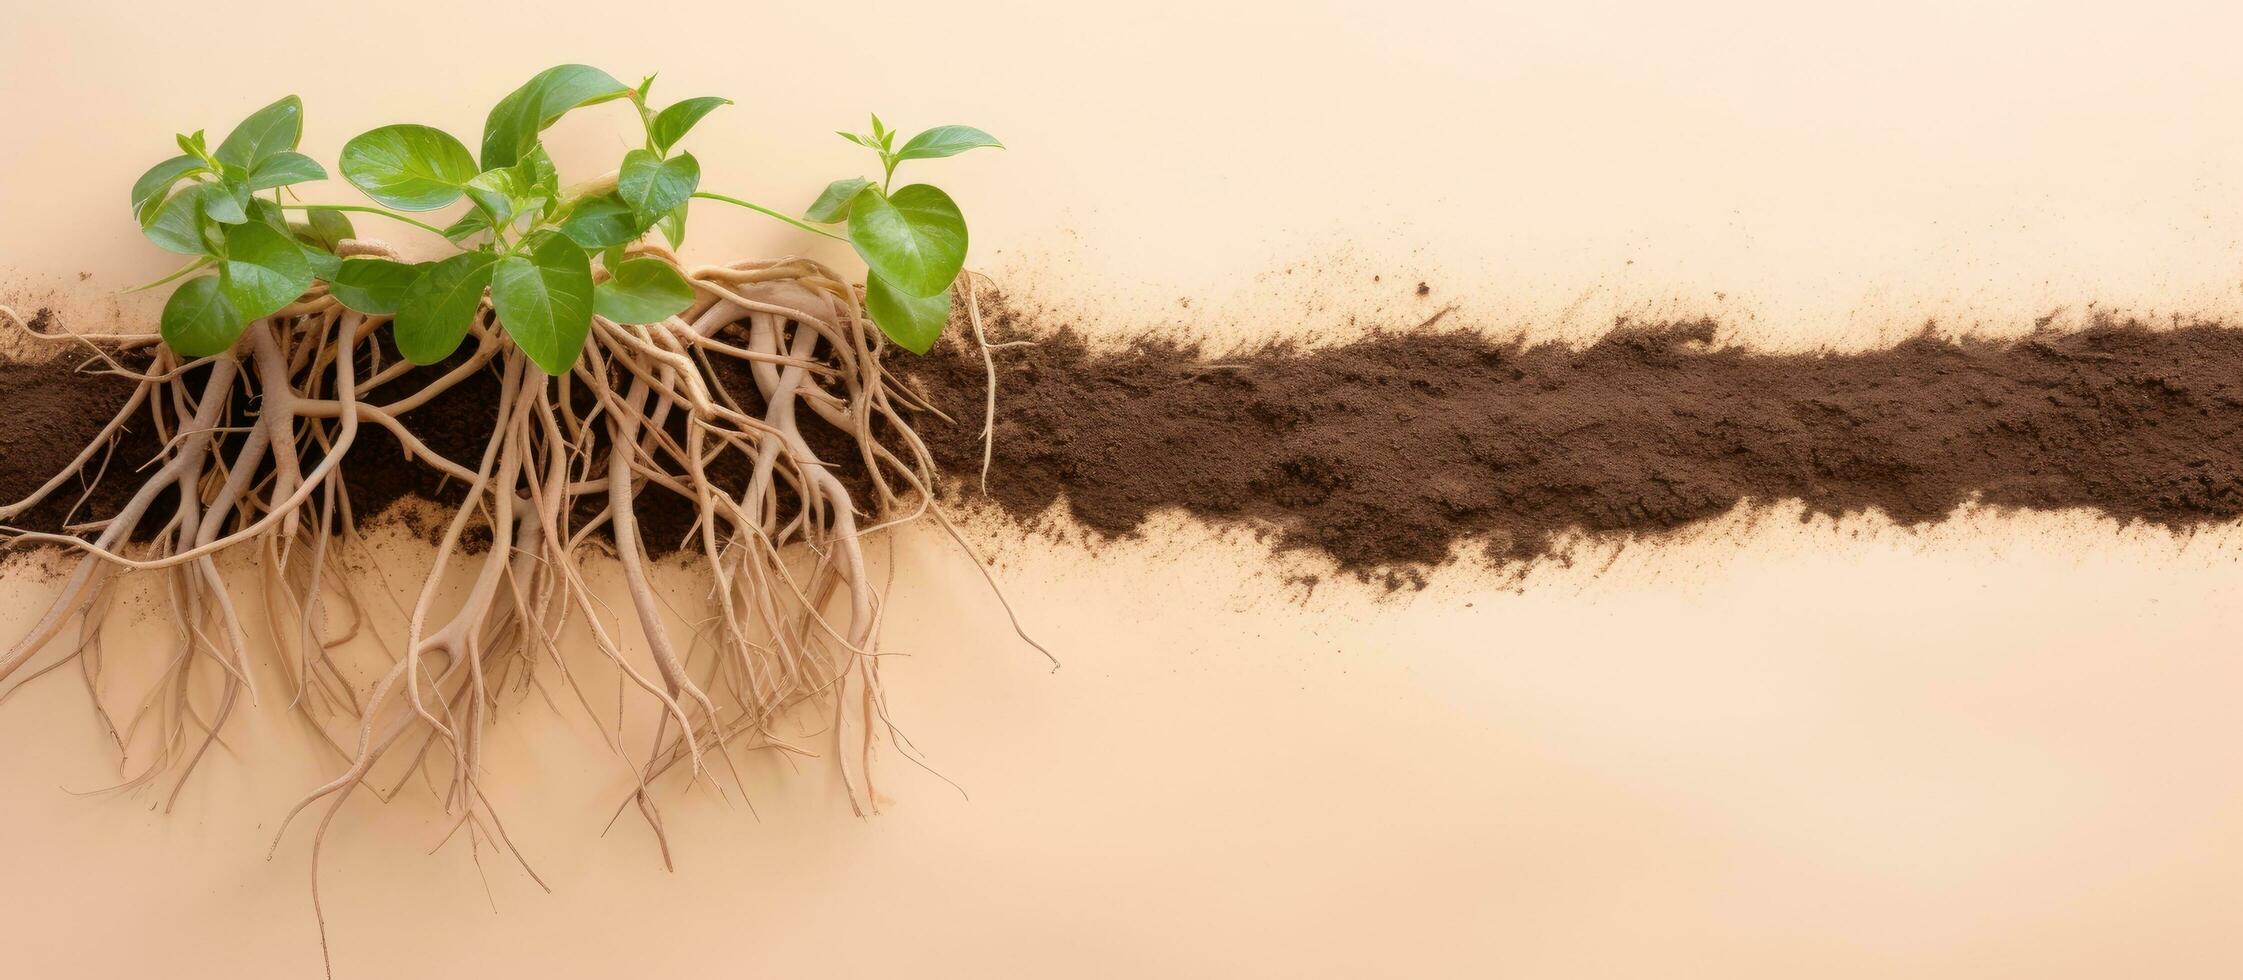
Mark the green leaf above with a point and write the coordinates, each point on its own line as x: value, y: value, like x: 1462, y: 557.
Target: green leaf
x: 642, y: 290
x: 673, y: 226
x: 864, y: 141
x: 193, y: 146
x: 148, y: 192
x: 834, y: 202
x: 468, y: 226
x: 599, y: 222
x: 408, y: 167
x: 272, y: 129
x: 915, y: 239
x: 323, y: 264
x: 653, y: 186
x: 375, y: 286
x: 198, y: 320
x: 945, y: 141
x: 913, y: 322
x: 176, y: 225
x: 544, y: 300
x: 498, y: 192
x: 673, y: 122
x: 225, y: 203
x: 263, y: 270
x: 539, y: 178
x: 284, y: 168
x: 327, y: 229
x: 440, y: 305
x: 513, y: 125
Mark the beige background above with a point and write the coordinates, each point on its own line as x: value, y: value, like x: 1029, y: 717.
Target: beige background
x: 2006, y: 747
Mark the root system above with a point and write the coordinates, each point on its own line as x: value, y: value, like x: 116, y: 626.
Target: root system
x: 704, y: 420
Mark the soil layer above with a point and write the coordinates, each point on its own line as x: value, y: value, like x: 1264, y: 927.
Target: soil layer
x: 1386, y: 452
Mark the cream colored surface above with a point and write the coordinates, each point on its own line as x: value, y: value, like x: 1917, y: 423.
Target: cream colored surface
x: 2007, y: 747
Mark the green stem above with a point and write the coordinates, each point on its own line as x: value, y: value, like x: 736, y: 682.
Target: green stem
x: 813, y: 229
x: 362, y: 209
x: 190, y: 267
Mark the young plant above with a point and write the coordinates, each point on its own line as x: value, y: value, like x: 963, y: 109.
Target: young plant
x: 257, y: 445
x: 913, y: 240
x: 262, y: 262
x: 526, y: 241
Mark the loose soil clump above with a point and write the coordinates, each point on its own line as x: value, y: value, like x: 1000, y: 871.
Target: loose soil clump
x: 1387, y: 452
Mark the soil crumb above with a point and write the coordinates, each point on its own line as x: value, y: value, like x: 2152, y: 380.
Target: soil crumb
x: 1386, y: 452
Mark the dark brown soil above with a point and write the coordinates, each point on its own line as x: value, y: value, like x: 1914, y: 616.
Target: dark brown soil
x: 48, y: 414
x: 1386, y: 452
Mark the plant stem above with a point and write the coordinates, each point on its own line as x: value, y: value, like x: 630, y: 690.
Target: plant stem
x: 190, y: 267
x: 813, y: 229
x: 362, y: 209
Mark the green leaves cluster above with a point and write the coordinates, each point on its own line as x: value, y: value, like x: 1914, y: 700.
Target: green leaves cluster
x: 204, y: 203
x: 528, y: 242
x: 525, y: 240
x: 912, y: 239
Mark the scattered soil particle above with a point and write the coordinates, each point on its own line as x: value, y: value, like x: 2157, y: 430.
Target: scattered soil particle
x: 1386, y: 452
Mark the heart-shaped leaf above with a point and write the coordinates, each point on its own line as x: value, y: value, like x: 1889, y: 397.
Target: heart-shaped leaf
x: 198, y: 321
x: 673, y: 122
x: 833, y: 203
x: 284, y: 168
x: 148, y: 192
x: 544, y: 300
x: 652, y: 186
x: 915, y: 239
x: 913, y: 322
x: 273, y: 129
x: 440, y: 305
x: 642, y: 290
x: 513, y: 125
x: 600, y: 222
x: 263, y: 270
x: 408, y: 167
x: 176, y: 225
x: 225, y: 203
x: 945, y: 141
x: 374, y: 286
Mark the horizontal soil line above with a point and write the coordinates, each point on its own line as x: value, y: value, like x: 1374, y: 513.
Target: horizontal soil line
x: 1386, y: 452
